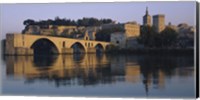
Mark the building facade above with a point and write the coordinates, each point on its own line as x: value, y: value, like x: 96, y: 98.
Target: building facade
x: 118, y: 39
x: 159, y: 22
x: 147, y: 18
x: 174, y: 27
x: 132, y: 29
x: 126, y: 39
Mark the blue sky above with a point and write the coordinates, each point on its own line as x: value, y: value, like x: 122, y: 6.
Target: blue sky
x: 13, y: 15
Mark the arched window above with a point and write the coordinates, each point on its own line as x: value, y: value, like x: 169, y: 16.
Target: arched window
x: 88, y: 44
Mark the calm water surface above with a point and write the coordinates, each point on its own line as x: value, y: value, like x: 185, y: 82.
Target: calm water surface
x: 160, y: 76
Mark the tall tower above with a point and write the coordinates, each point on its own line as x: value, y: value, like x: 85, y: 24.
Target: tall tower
x: 159, y: 22
x: 147, y: 18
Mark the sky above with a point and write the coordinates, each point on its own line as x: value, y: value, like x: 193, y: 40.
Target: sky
x: 13, y: 15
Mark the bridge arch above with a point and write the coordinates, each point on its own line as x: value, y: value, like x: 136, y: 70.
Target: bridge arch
x: 107, y: 47
x: 99, y: 48
x: 44, y: 46
x: 78, y: 48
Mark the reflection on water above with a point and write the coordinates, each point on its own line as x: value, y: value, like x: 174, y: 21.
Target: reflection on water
x: 157, y: 76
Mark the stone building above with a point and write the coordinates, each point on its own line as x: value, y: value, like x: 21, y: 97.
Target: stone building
x: 86, y: 36
x: 126, y: 39
x: 185, y: 30
x: 92, y: 30
x: 32, y: 29
x: 118, y: 39
x: 147, y: 18
x: 59, y: 30
x: 186, y: 35
x: 132, y: 29
x: 174, y: 27
x: 92, y: 35
x: 159, y: 22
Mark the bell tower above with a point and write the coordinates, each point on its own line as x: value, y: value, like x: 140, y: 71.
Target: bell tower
x: 147, y: 18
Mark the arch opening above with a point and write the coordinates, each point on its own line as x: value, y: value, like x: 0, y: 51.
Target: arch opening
x: 99, y: 48
x: 107, y: 47
x: 44, y: 47
x: 78, y: 48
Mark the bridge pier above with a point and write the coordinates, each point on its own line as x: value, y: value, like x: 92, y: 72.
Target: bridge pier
x: 20, y: 51
x: 91, y: 50
x: 67, y: 51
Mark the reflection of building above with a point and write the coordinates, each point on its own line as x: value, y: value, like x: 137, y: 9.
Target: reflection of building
x: 133, y: 73
x: 147, y: 18
x: 94, y: 69
x: 161, y: 79
x: 118, y: 65
x: 159, y: 22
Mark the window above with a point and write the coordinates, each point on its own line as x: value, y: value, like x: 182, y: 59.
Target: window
x: 64, y: 44
x: 86, y: 38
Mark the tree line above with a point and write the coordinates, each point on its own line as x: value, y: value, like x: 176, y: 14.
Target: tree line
x: 63, y: 21
x: 150, y: 38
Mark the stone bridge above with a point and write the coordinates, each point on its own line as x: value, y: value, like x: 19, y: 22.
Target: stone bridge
x: 24, y: 44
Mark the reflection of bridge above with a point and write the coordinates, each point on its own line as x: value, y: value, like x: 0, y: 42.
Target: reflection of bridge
x: 99, y: 69
x: 32, y: 66
x: 20, y: 44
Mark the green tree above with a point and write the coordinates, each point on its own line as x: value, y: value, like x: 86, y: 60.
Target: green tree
x: 28, y: 22
x: 168, y: 37
x: 148, y: 36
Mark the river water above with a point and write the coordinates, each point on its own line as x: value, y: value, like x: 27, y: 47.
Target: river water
x: 91, y: 75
